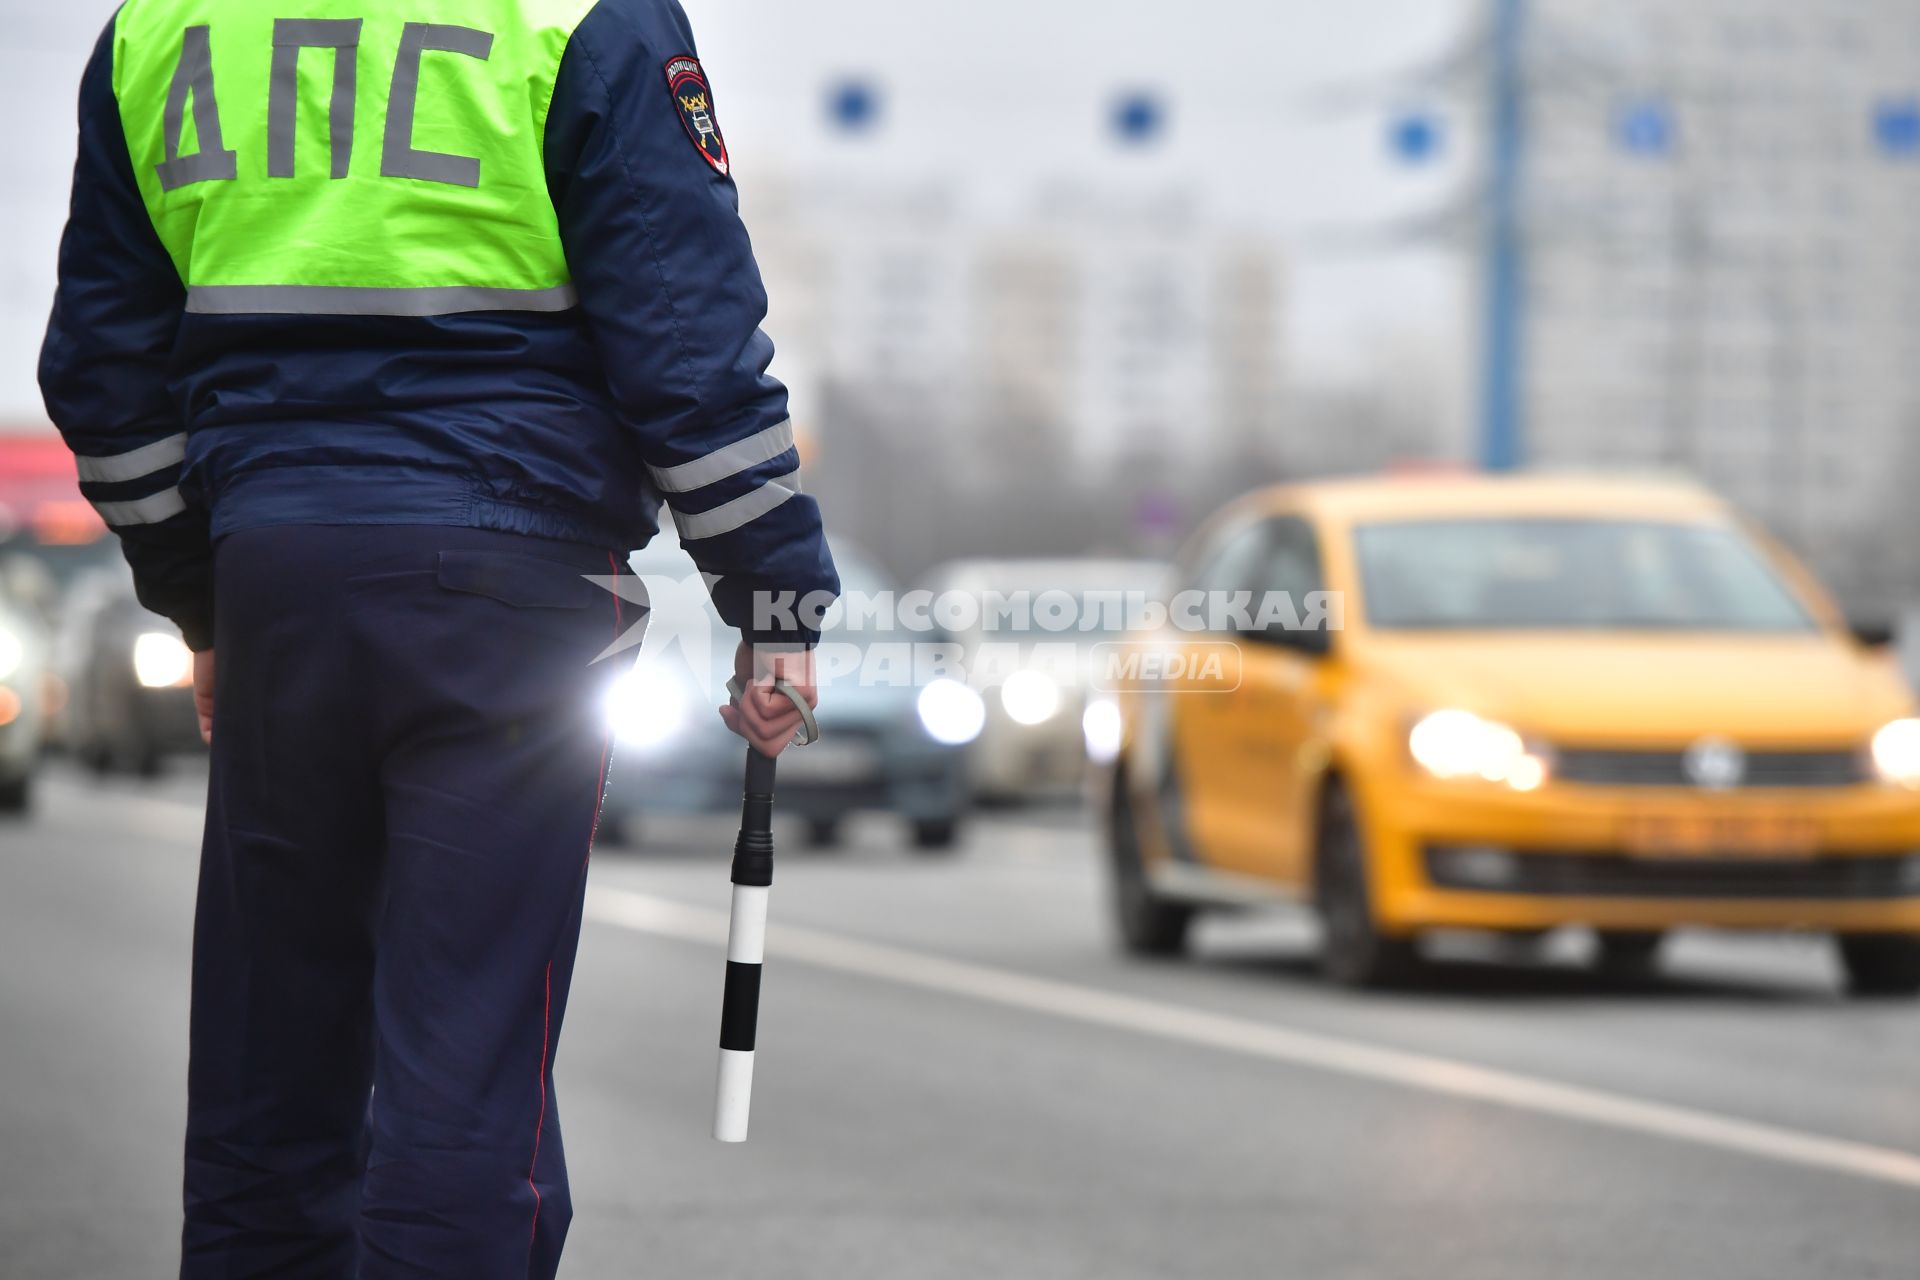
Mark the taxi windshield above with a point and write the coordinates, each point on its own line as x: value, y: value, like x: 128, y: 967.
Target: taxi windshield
x: 1576, y: 574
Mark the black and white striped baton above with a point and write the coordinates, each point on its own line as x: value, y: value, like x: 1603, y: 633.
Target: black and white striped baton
x: 747, y: 931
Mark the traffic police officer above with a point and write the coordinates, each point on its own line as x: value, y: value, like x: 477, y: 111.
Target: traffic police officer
x: 396, y: 319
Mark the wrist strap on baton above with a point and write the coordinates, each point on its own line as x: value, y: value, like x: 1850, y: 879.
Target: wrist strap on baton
x: 809, y: 731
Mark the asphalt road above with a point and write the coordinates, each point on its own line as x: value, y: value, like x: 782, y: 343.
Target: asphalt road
x: 960, y: 1078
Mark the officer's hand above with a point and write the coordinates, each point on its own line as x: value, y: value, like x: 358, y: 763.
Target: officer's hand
x: 203, y: 692
x: 764, y: 717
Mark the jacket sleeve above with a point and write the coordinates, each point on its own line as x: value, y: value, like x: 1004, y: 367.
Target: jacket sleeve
x: 103, y: 368
x: 674, y: 301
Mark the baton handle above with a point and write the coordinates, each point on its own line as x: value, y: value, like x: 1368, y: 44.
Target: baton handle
x: 746, y: 949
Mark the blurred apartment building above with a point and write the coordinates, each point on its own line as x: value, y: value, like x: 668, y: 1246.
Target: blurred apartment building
x: 1724, y: 260
x: 1094, y: 332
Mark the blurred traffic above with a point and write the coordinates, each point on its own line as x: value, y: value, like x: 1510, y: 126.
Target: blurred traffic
x: 889, y: 747
x: 1512, y: 705
x: 1405, y: 507
x: 1033, y: 742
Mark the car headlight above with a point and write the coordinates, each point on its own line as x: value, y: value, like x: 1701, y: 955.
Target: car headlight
x: 1030, y: 697
x: 648, y: 707
x: 1460, y: 744
x: 1896, y: 753
x: 12, y: 653
x: 951, y: 712
x: 162, y: 661
x: 1100, y: 725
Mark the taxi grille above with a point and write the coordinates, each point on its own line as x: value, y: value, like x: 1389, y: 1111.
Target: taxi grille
x: 1605, y: 875
x: 1605, y: 767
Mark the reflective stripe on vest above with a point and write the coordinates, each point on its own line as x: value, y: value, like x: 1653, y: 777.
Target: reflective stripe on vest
x: 350, y: 161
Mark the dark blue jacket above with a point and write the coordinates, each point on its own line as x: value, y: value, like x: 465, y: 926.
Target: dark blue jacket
x: 569, y: 424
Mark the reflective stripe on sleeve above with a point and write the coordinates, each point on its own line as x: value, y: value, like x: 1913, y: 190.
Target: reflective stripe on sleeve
x: 134, y: 464
x: 727, y: 460
x: 745, y: 509
x: 164, y: 505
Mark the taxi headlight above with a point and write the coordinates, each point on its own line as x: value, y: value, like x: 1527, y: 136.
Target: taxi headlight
x: 162, y: 661
x: 12, y: 653
x: 1459, y: 744
x: 951, y: 712
x: 648, y: 706
x: 1100, y: 724
x: 1896, y: 753
x: 1030, y: 697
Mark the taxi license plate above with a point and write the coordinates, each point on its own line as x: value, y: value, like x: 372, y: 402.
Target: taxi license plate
x: 830, y: 760
x: 1715, y: 835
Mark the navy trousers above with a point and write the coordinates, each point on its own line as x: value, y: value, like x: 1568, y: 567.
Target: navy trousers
x: 408, y: 762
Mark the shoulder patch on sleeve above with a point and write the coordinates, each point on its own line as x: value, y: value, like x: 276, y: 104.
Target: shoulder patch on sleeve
x: 693, y: 99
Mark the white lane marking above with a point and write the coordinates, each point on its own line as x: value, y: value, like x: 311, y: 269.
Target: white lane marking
x: 643, y: 913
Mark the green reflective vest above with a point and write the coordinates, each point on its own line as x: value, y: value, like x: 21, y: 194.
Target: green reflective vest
x: 349, y: 160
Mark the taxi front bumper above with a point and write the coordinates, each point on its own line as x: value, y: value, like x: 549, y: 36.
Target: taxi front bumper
x: 1470, y: 855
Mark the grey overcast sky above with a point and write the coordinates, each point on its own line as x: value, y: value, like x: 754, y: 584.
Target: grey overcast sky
x: 994, y: 96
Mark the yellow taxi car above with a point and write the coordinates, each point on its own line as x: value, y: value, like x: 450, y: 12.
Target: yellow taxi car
x: 1513, y: 704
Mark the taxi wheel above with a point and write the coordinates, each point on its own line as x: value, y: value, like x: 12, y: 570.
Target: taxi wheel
x: 1148, y: 924
x: 1881, y: 964
x: 1354, y: 952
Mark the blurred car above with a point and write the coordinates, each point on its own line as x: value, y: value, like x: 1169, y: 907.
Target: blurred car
x: 886, y: 745
x: 126, y: 679
x: 1036, y: 739
x: 23, y: 684
x: 1553, y: 702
